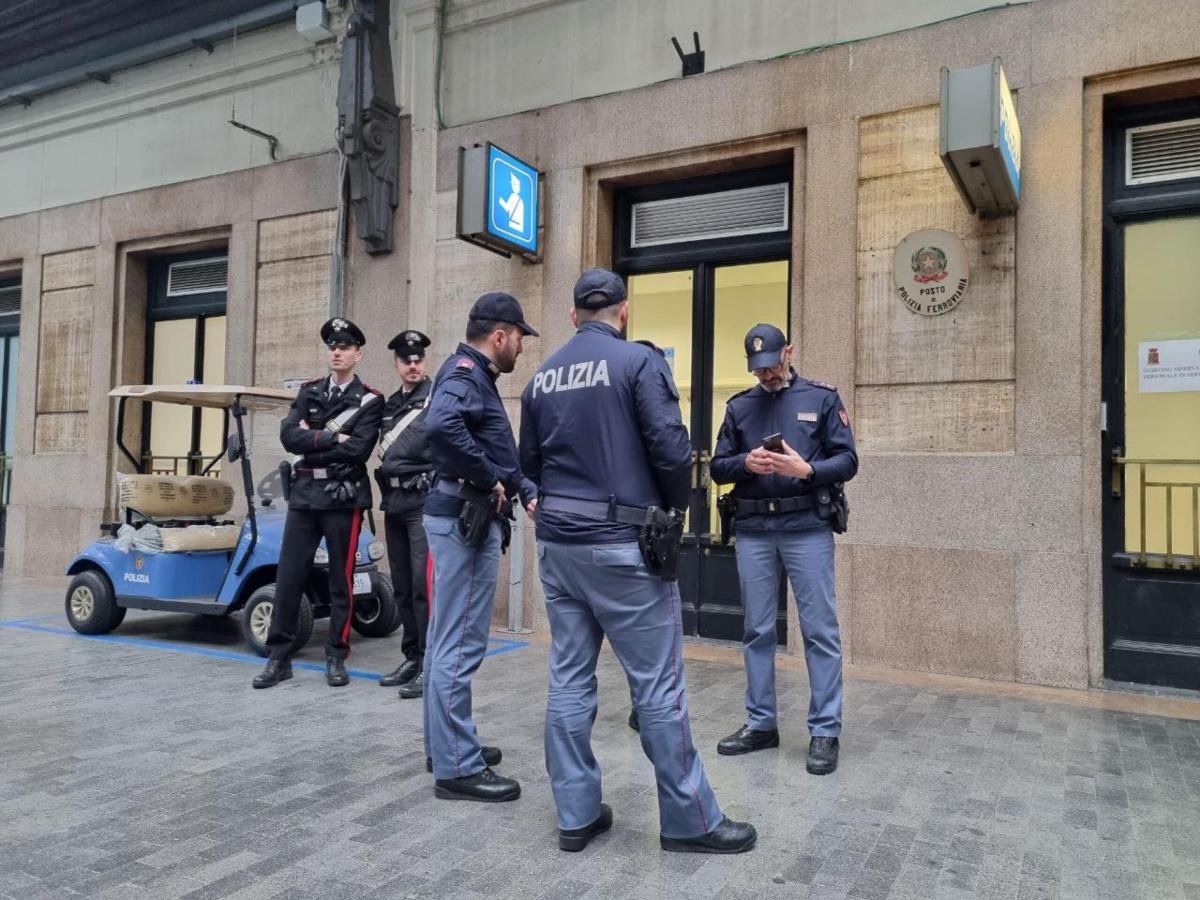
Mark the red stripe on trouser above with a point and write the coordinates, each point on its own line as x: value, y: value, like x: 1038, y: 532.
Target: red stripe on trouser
x: 429, y: 585
x: 355, y: 527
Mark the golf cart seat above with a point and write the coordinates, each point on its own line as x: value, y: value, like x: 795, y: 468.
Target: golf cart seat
x: 199, y: 537
x: 176, y: 496
x: 183, y: 508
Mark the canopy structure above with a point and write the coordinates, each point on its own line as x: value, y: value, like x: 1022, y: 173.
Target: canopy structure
x: 209, y: 396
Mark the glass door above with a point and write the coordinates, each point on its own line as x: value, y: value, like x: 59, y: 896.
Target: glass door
x: 10, y: 343
x: 1152, y: 577
x: 698, y: 318
x: 185, y: 345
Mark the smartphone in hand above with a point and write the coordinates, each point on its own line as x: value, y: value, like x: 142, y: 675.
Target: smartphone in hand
x: 773, y: 442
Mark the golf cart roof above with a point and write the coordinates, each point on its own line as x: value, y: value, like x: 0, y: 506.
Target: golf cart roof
x: 212, y: 396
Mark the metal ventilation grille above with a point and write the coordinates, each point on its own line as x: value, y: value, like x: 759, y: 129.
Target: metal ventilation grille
x: 198, y: 276
x: 10, y: 299
x: 1166, y: 152
x: 700, y: 217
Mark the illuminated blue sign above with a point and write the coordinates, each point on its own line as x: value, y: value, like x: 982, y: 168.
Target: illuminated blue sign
x: 512, y: 200
x: 498, y: 201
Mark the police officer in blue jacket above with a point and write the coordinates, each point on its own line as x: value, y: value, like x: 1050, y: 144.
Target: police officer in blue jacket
x: 788, y: 501
x: 602, y: 437
x: 477, y: 480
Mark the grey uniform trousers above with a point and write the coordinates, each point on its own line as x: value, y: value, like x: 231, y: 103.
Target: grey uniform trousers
x: 807, y: 557
x: 598, y: 590
x: 464, y: 586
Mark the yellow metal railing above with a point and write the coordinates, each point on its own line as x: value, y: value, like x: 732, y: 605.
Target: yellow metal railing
x: 1174, y: 557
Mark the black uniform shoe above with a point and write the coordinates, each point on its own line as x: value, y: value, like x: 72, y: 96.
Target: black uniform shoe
x: 277, y: 670
x: 491, y: 757
x: 482, y: 787
x: 413, y: 689
x: 406, y: 672
x: 728, y: 837
x: 747, y: 740
x: 822, y: 755
x: 633, y: 720
x: 575, y: 839
x: 335, y: 672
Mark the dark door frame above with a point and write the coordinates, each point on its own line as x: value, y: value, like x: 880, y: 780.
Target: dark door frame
x: 161, y: 308
x: 701, y: 553
x: 1125, y: 659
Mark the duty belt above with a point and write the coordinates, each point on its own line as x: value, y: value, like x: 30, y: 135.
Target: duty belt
x: 449, y: 486
x: 773, y: 506
x: 607, y: 511
x: 395, y: 481
x: 462, y: 490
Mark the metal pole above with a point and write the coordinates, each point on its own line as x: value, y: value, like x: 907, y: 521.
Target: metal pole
x: 516, y: 575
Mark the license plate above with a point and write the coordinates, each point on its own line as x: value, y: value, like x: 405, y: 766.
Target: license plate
x: 362, y: 583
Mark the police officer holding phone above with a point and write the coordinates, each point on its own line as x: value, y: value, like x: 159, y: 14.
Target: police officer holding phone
x: 331, y: 428
x: 602, y: 436
x: 787, y: 447
x: 478, y: 479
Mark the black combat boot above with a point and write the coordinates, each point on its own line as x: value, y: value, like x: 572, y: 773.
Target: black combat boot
x: 277, y: 670
x: 335, y: 672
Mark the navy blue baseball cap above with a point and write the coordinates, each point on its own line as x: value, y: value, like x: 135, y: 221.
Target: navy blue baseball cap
x: 598, y: 288
x: 497, y: 306
x: 764, y: 347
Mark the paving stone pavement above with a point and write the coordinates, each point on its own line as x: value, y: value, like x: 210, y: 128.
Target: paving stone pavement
x: 133, y: 770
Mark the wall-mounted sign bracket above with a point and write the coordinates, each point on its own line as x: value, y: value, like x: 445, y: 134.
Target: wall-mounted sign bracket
x: 271, y: 140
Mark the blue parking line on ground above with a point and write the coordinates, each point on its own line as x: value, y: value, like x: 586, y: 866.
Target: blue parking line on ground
x: 56, y: 616
x: 497, y: 646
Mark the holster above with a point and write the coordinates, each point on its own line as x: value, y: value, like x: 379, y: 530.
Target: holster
x: 474, y: 519
x: 659, y: 539
x: 726, y: 508
x: 285, y: 480
x: 832, y: 507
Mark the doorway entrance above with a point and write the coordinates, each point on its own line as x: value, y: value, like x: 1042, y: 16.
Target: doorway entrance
x: 1152, y: 397
x: 185, y: 344
x: 10, y: 327
x: 706, y: 260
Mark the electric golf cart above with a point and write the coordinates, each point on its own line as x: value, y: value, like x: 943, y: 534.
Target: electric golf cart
x: 175, y: 547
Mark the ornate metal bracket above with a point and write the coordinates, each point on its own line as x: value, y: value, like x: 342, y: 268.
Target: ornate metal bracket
x: 369, y: 123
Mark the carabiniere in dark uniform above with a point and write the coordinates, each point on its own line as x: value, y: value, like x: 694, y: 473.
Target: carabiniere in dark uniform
x: 405, y: 475
x: 331, y: 428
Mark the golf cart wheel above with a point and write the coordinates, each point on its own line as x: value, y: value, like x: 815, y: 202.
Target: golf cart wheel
x: 90, y: 605
x: 256, y: 620
x: 377, y: 615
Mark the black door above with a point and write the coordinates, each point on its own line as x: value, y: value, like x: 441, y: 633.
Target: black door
x: 695, y: 299
x: 1152, y: 397
x: 185, y: 344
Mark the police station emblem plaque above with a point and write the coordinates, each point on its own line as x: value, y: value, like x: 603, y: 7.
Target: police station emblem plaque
x: 931, y: 272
